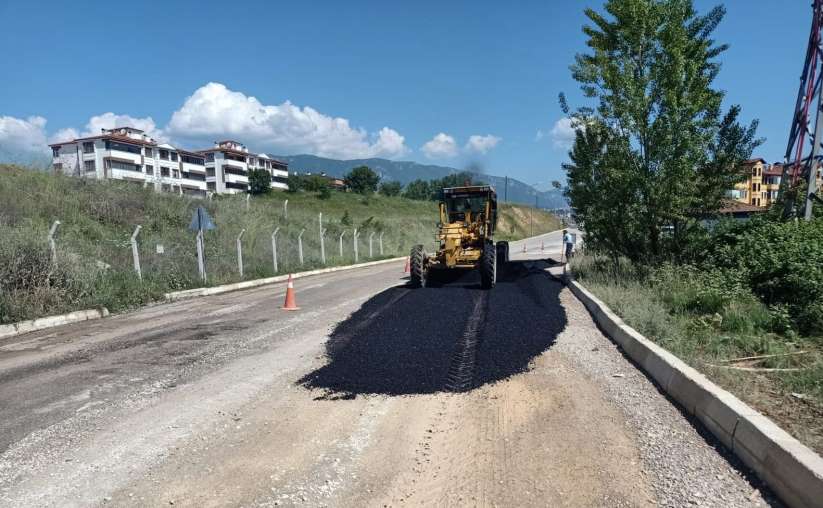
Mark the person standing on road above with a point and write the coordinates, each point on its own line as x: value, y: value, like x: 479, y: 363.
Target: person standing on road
x: 568, y: 244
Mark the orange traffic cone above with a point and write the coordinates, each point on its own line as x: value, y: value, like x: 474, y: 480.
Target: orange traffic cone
x: 290, y: 304
x: 407, y: 269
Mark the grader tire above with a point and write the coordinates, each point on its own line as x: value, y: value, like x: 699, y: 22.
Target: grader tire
x: 488, y: 266
x: 502, y: 253
x: 418, y: 270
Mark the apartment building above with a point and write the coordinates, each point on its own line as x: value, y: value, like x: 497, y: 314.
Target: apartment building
x: 126, y: 153
x: 228, y: 164
x: 762, y: 183
x: 750, y: 191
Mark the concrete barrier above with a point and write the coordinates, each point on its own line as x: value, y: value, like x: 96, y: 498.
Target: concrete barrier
x: 792, y: 470
x: 216, y: 290
x: 51, y: 321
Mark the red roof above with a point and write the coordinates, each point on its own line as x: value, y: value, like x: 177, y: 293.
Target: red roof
x: 755, y: 161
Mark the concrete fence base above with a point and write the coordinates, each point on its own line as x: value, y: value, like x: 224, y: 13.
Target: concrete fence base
x: 51, y: 321
x: 216, y: 290
x: 791, y: 469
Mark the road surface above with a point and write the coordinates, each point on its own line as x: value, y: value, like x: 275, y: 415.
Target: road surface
x: 373, y: 394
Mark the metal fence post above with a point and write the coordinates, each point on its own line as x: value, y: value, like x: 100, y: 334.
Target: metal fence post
x: 201, y: 247
x: 300, y: 245
x: 135, y: 254
x: 274, y: 248
x: 371, y: 235
x: 286, y: 209
x: 248, y: 202
x: 322, y: 239
x: 52, y: 244
x: 340, y: 240
x: 354, y: 237
x: 381, y: 242
x: 240, y: 252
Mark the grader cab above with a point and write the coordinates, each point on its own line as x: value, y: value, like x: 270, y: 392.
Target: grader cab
x: 465, y: 237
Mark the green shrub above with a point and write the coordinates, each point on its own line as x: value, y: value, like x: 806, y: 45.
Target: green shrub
x: 782, y: 263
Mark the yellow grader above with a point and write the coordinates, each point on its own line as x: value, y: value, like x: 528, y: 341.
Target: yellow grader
x: 468, y: 216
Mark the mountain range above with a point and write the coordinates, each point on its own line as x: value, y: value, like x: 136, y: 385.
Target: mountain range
x: 406, y: 171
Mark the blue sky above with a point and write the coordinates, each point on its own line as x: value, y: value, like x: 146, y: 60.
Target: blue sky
x: 360, y: 78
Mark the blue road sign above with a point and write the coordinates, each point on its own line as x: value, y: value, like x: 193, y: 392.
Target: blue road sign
x: 200, y: 220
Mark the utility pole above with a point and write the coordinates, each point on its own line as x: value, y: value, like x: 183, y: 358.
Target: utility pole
x: 506, y: 191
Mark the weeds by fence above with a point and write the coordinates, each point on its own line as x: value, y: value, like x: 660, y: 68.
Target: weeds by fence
x: 120, y: 245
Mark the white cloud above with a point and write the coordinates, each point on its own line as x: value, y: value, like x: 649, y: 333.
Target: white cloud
x: 562, y: 133
x: 213, y: 111
x: 481, y: 144
x: 109, y: 121
x: 539, y: 135
x: 19, y: 136
x: 440, y: 147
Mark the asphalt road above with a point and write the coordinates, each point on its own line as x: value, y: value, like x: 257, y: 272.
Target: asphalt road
x: 372, y: 394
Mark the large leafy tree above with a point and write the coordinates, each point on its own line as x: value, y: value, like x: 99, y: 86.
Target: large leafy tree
x: 259, y: 181
x: 655, y: 151
x: 362, y: 180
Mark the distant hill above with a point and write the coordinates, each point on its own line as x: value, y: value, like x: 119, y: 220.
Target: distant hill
x: 406, y: 171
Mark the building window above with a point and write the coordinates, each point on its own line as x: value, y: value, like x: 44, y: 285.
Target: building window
x: 163, y: 171
x: 122, y: 147
x: 58, y: 166
x: 149, y: 152
x: 209, y: 171
x: 165, y: 187
x: 164, y: 155
x: 89, y: 166
x: 149, y: 169
x: 197, y: 161
x: 125, y: 166
x: 176, y: 173
x: 174, y: 156
x: 55, y: 151
x: 210, y: 157
x: 211, y: 186
x: 88, y: 147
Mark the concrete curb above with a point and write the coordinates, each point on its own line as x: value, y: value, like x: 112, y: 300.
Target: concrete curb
x: 51, y: 321
x: 791, y: 469
x: 216, y: 290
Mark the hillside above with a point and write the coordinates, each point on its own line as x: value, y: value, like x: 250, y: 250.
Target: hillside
x: 406, y: 171
x: 94, y: 264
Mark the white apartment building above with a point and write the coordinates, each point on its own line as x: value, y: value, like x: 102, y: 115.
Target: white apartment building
x: 228, y: 163
x: 125, y: 153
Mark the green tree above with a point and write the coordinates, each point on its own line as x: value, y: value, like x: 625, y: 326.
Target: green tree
x: 294, y: 182
x: 418, y: 189
x: 390, y: 188
x: 259, y: 181
x: 655, y: 152
x: 362, y: 180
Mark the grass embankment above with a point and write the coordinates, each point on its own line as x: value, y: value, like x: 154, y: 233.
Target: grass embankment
x: 94, y: 264
x: 712, y: 321
x: 516, y: 221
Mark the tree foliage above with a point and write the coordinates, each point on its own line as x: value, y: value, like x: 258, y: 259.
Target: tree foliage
x: 259, y: 181
x: 424, y: 190
x: 362, y: 180
x: 392, y: 188
x: 655, y: 152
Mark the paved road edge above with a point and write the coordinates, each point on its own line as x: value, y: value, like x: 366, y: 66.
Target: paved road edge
x: 791, y: 469
x: 237, y: 286
x: 51, y: 321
